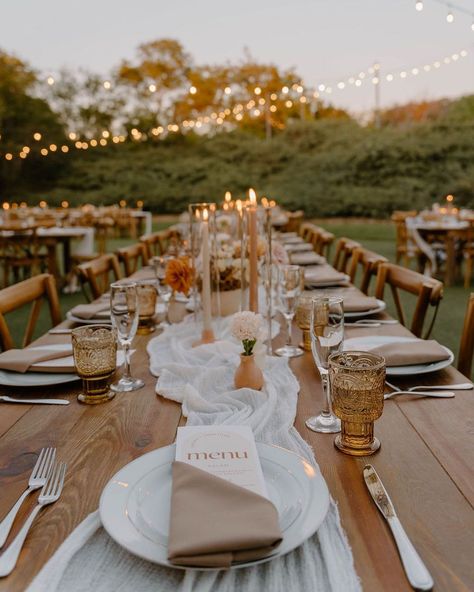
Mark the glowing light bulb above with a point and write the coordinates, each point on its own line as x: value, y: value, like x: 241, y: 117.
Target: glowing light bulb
x: 227, y: 90
x: 65, y: 149
x: 9, y: 156
x: 50, y: 80
x: 53, y: 147
x: 419, y: 5
x: 37, y: 136
x: 257, y: 90
x: 389, y: 77
x: 193, y: 90
x: 285, y: 90
x: 107, y: 85
x: 450, y: 17
x: 152, y: 88
x: 44, y: 151
x: 341, y: 85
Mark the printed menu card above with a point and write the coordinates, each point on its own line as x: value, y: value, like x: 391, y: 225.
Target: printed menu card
x: 228, y: 452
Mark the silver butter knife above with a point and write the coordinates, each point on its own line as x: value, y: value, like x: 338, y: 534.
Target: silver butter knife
x: 5, y: 399
x: 417, y: 574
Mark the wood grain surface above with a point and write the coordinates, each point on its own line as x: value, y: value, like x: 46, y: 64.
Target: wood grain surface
x: 425, y: 462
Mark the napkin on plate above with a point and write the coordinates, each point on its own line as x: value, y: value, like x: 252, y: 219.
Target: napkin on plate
x: 324, y: 275
x: 309, y: 258
x: 90, y: 311
x: 22, y: 360
x: 359, y: 303
x: 409, y: 353
x: 214, y: 523
x: 298, y: 247
x: 292, y: 240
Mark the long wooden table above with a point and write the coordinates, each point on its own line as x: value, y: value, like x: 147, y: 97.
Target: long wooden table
x: 426, y: 463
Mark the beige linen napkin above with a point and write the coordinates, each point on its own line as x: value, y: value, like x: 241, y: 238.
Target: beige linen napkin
x: 306, y: 258
x: 214, y: 522
x: 22, y: 360
x: 409, y: 353
x: 359, y: 303
x: 324, y: 275
x: 90, y: 311
x: 298, y: 248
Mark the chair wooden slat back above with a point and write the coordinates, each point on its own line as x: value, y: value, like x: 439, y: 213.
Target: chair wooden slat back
x: 428, y: 291
x: 156, y: 243
x: 344, y: 249
x: 406, y: 249
x: 294, y: 221
x: 96, y: 274
x: 133, y: 257
x: 305, y: 230
x: 466, y: 346
x: 367, y: 262
x: 31, y: 291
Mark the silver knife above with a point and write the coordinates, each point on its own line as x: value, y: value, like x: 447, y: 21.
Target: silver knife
x: 5, y: 399
x: 417, y: 574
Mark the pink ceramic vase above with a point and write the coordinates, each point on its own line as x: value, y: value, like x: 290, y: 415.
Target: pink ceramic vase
x: 248, y: 374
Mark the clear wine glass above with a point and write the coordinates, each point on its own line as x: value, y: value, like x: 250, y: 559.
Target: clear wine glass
x: 290, y: 286
x: 124, y: 314
x: 159, y: 265
x: 327, y: 337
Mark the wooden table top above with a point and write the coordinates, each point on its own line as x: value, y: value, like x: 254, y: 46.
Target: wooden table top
x: 425, y: 462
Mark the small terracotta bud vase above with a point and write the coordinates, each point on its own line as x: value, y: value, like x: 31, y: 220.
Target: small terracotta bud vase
x: 248, y: 374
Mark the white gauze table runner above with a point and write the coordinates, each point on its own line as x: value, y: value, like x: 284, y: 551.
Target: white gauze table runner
x: 202, y: 380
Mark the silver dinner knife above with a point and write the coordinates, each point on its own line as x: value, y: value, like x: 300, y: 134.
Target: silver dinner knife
x: 417, y: 574
x: 5, y: 399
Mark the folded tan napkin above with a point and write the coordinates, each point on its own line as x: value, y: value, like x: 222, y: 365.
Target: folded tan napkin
x: 324, y: 274
x: 90, y: 311
x: 298, y: 247
x: 214, y: 523
x: 292, y: 240
x: 409, y: 353
x: 22, y: 360
x: 359, y: 303
x: 309, y: 258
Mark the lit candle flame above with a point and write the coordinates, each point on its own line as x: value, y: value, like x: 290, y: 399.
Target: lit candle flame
x: 450, y: 198
x: 252, y: 197
x: 238, y: 205
x: 205, y: 215
x: 228, y: 196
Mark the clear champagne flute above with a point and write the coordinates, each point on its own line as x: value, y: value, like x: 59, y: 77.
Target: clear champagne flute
x: 159, y: 265
x: 124, y: 314
x: 290, y: 286
x: 327, y: 337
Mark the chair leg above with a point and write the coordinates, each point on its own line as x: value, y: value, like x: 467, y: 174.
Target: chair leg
x: 468, y: 272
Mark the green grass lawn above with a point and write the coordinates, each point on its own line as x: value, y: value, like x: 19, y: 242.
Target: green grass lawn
x: 376, y: 236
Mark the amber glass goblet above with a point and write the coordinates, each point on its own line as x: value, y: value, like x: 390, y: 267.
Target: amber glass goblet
x: 357, y: 382
x: 147, y: 295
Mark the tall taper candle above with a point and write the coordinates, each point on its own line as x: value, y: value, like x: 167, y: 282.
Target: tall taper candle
x: 206, y: 273
x: 253, y: 255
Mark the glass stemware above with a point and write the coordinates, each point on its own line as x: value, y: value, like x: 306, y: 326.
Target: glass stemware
x: 327, y: 337
x: 290, y: 285
x: 159, y: 265
x: 124, y: 314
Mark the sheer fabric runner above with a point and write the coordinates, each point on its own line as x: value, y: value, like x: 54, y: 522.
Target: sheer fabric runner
x: 202, y: 380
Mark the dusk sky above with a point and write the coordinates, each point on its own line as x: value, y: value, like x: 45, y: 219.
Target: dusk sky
x: 327, y: 41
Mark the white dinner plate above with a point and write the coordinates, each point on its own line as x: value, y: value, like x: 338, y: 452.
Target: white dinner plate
x: 365, y: 313
x: 135, y: 504
x: 30, y: 379
x: 366, y: 343
x: 101, y: 319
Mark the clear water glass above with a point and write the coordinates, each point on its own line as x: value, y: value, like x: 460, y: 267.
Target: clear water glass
x: 327, y: 338
x: 124, y: 315
x: 159, y: 265
x: 290, y: 283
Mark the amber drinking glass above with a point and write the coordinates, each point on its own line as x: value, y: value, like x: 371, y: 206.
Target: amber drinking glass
x: 303, y: 318
x: 147, y: 296
x: 357, y: 382
x: 95, y: 358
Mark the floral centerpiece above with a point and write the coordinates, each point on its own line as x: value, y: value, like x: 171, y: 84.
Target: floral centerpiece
x: 246, y: 327
x: 179, y: 275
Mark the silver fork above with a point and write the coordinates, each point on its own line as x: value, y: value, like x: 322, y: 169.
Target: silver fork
x: 38, y: 477
x: 440, y: 393
x: 49, y: 494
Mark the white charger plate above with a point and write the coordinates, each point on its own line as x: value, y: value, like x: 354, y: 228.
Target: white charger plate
x: 135, y: 504
x: 31, y: 379
x: 366, y: 313
x: 371, y: 341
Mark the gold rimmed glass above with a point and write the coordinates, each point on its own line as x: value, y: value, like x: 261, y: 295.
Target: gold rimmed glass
x: 357, y: 388
x: 147, y: 296
x: 95, y: 358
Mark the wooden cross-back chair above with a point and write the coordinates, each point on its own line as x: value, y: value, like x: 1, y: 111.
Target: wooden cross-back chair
x: 320, y: 239
x: 305, y: 230
x: 344, y: 249
x: 406, y: 248
x: 294, y: 221
x: 31, y: 291
x: 157, y: 243
x: 133, y: 257
x: 466, y: 346
x: 428, y: 291
x: 367, y: 262
x: 96, y: 274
